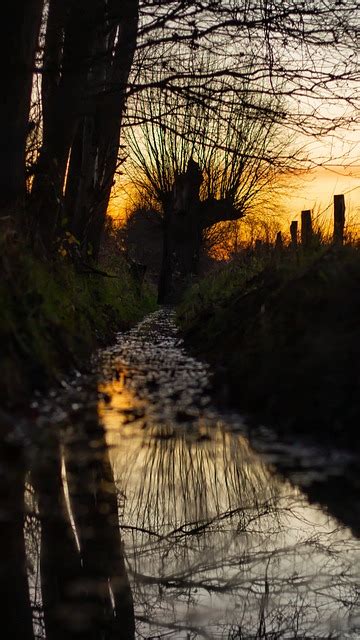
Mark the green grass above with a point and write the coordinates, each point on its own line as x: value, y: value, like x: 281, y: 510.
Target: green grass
x: 283, y: 333
x: 52, y: 317
x: 212, y: 297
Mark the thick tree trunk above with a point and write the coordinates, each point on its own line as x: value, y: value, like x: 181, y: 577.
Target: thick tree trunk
x: 182, y: 235
x: 80, y: 181
x: 165, y: 288
x: 52, y: 60
x: 19, y: 37
x: 185, y: 218
x: 100, y: 143
x: 66, y: 99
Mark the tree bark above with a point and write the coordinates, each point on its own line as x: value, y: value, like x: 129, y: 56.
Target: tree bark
x: 21, y: 21
x: 182, y: 234
x: 87, y: 208
x: 65, y: 98
x: 185, y: 218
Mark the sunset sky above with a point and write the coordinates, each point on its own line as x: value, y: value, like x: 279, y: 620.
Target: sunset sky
x: 316, y: 188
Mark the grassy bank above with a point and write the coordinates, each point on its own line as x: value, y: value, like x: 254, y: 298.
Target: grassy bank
x: 283, y: 334
x: 52, y: 316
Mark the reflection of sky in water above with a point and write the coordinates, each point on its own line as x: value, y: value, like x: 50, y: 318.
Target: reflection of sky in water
x: 216, y: 544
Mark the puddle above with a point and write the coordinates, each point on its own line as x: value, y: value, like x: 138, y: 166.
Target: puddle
x: 148, y: 514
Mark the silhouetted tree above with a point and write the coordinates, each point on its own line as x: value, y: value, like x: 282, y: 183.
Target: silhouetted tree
x: 95, y: 151
x: 240, y: 150
x: 20, y: 25
x: 88, y: 52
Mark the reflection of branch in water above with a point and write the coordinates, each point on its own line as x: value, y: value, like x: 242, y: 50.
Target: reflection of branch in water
x: 207, y: 523
x: 93, y: 499
x: 177, y: 481
x: 197, y: 528
x: 32, y: 534
x: 198, y: 632
x: 84, y: 587
x: 215, y: 544
x: 59, y: 558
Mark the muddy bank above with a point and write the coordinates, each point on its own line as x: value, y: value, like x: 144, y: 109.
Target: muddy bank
x: 285, y: 344
x: 53, y: 316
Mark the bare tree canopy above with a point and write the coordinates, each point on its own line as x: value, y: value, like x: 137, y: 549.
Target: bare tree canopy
x: 240, y: 147
x: 305, y: 51
x: 93, y: 56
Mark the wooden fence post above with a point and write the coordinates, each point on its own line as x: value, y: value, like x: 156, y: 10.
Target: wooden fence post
x: 294, y: 234
x: 339, y: 219
x: 306, y: 228
x: 279, y: 242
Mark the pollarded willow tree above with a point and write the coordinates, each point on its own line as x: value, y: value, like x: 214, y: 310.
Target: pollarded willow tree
x: 285, y: 64
x: 240, y: 145
x: 204, y: 160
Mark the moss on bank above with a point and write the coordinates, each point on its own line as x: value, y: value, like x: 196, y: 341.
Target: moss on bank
x: 284, y: 338
x: 52, y: 317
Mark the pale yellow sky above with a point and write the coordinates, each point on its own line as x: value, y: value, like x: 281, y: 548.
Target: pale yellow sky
x: 316, y: 188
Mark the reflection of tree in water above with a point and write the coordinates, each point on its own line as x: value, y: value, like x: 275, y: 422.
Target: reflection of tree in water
x: 16, y: 620
x: 218, y: 547
x: 77, y: 586
x: 32, y: 535
x: 191, y: 479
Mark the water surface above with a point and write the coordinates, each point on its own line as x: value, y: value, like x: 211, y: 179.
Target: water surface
x: 148, y: 513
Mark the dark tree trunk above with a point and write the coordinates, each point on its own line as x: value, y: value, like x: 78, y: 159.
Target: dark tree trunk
x: 21, y: 21
x: 166, y: 272
x: 182, y: 234
x: 66, y: 97
x: 185, y: 218
x: 97, y: 163
x: 80, y: 182
x: 16, y: 620
x: 52, y: 60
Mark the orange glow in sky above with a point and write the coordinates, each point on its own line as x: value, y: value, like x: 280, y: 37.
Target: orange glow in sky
x: 313, y: 189
x: 316, y: 188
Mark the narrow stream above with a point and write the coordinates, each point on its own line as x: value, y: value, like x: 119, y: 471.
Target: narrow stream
x: 148, y: 514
